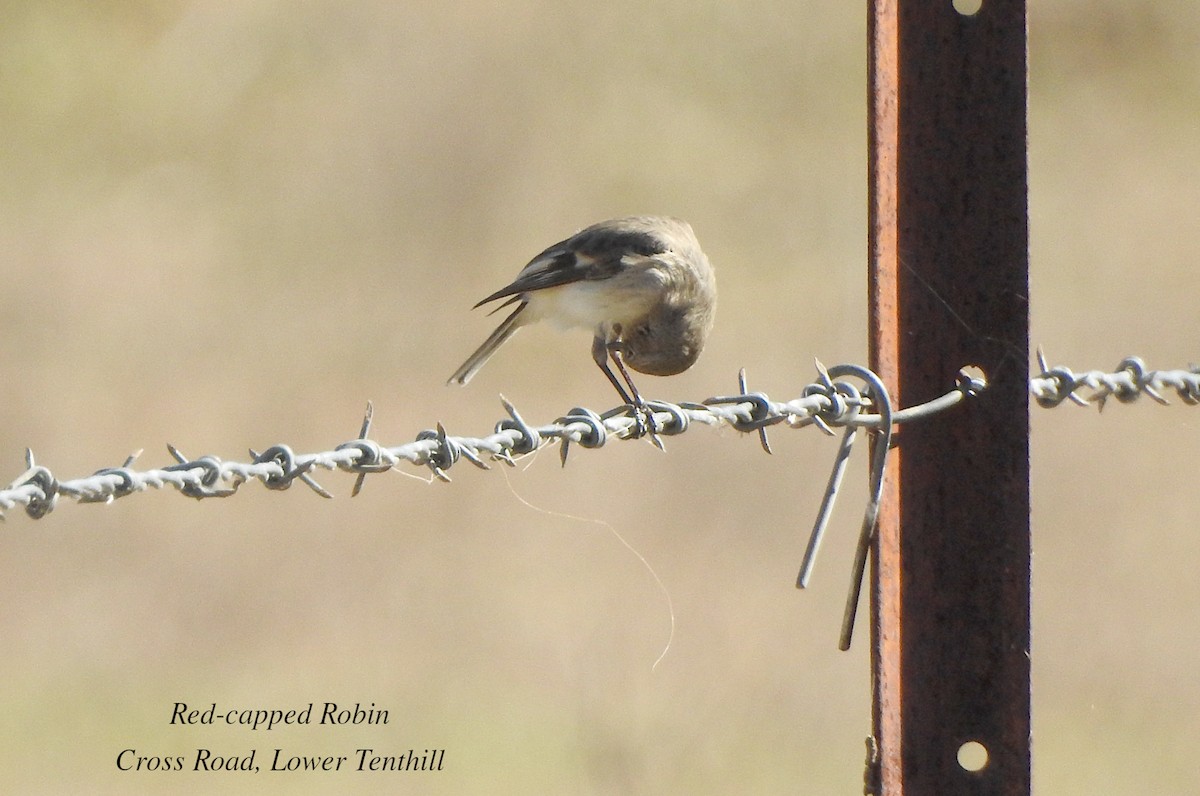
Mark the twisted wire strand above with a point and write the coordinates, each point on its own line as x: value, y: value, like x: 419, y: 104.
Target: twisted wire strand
x: 826, y: 404
x: 1127, y: 383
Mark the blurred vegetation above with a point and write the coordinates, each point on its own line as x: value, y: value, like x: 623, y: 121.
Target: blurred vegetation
x: 229, y: 225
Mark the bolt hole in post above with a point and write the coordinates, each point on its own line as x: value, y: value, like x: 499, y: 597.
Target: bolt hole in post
x: 972, y: 756
x: 968, y: 8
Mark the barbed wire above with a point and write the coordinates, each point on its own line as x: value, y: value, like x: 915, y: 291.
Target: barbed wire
x: 826, y: 404
x: 1127, y: 383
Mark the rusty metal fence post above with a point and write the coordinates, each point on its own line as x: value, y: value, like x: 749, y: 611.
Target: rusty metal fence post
x: 949, y: 287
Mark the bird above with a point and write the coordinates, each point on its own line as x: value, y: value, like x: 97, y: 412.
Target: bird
x: 640, y: 283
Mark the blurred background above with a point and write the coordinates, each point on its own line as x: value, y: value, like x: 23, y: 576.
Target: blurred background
x: 230, y: 225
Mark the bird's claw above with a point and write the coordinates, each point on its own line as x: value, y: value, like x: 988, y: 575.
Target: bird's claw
x: 644, y: 423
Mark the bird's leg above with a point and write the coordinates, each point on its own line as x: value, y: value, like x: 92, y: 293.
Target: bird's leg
x: 614, y: 351
x: 600, y: 353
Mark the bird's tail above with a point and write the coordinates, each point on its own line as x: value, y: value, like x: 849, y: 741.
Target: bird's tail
x: 505, y: 330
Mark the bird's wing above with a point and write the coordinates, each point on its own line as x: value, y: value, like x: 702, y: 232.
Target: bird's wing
x: 598, y: 252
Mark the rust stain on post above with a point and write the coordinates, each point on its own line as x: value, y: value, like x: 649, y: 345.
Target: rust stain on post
x: 882, y: 286
x: 949, y: 287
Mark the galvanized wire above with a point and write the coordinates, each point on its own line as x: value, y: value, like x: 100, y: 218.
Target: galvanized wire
x: 1127, y: 383
x: 826, y: 404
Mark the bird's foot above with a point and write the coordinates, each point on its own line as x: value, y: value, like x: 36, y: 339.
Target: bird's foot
x: 644, y: 423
